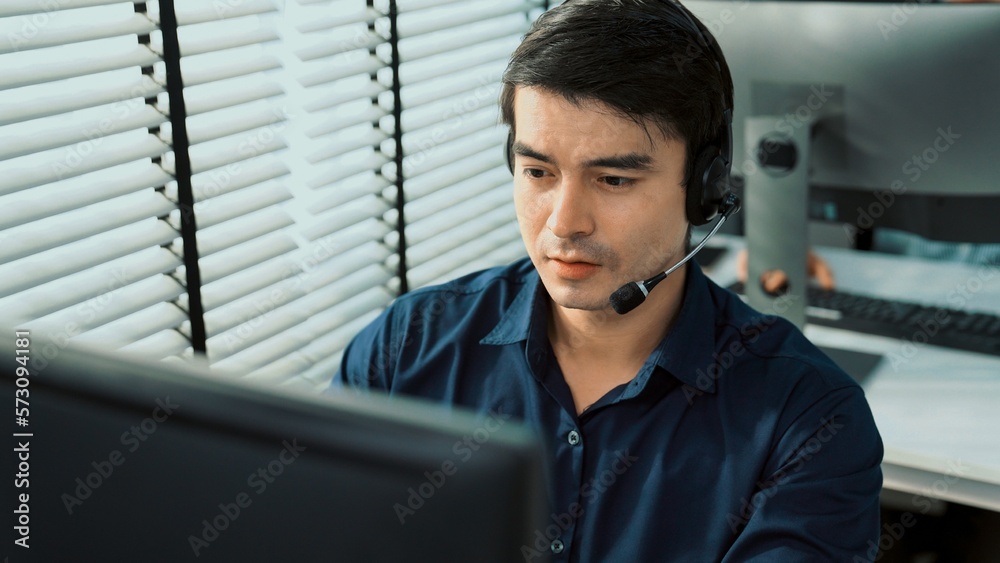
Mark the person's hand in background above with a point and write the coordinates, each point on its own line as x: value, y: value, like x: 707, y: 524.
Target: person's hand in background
x: 775, y: 282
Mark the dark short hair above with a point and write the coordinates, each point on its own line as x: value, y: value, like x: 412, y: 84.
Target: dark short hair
x: 639, y: 57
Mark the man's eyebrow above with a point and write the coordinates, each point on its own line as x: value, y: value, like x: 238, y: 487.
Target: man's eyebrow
x: 524, y: 150
x: 627, y: 161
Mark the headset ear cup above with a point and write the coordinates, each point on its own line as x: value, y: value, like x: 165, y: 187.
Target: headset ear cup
x: 716, y: 186
x: 701, y: 198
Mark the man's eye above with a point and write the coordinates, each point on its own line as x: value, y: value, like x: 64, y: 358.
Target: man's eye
x: 617, y: 181
x: 534, y: 173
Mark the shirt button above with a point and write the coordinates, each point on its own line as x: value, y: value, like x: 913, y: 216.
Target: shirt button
x: 573, y: 437
x: 557, y: 547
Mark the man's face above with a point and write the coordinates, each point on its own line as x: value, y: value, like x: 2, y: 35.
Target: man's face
x: 599, y: 202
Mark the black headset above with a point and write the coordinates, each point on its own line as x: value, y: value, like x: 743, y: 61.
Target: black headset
x: 708, y: 188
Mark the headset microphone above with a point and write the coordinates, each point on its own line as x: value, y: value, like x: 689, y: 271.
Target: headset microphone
x: 632, y: 294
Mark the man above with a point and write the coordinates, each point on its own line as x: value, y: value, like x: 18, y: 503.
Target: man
x: 689, y: 429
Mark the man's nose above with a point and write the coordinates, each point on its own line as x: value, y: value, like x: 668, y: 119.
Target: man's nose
x: 572, y: 210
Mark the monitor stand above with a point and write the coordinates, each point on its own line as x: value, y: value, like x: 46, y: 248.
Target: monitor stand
x: 776, y: 213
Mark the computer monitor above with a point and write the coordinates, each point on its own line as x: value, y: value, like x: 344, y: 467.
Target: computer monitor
x: 901, y: 99
x: 125, y: 460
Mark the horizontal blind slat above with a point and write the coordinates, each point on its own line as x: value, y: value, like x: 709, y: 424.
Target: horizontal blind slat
x: 81, y: 255
x: 483, y: 119
x: 204, y: 45
x: 469, y: 156
x: 494, y: 180
x: 457, y: 83
x: 446, y: 266
x: 356, y: 235
x: 275, y: 322
x: 159, y: 316
x: 112, y: 154
x: 45, y: 106
x: 44, y: 37
x: 12, y: 8
x: 52, y: 297
x: 197, y: 104
x: 33, y: 207
x: 328, y: 48
x: 304, y: 267
x: 232, y: 342
x: 333, y: 21
x: 441, y: 159
x: 234, y: 232
x: 159, y: 346
x: 40, y: 236
x: 352, y: 213
x: 455, y: 107
x: 342, y: 171
x: 424, y: 70
x: 347, y: 144
x: 231, y: 260
x: 330, y: 97
x: 491, y: 178
x: 239, y: 67
x: 139, y: 56
x: 232, y: 151
x: 224, y: 291
x: 208, y: 185
x: 316, y: 362
x: 118, y: 305
x: 370, y: 115
x: 217, y: 211
x: 411, y: 27
x: 345, y: 193
x: 255, y: 117
x: 145, y: 117
x: 459, y: 41
x: 365, y: 65
x: 448, y: 240
x: 205, y: 12
x: 406, y: 6
x: 473, y: 209
x: 296, y: 282
x: 467, y: 167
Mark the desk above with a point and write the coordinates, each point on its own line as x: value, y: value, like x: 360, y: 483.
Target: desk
x: 937, y: 409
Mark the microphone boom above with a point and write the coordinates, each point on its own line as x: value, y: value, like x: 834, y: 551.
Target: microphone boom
x: 632, y: 294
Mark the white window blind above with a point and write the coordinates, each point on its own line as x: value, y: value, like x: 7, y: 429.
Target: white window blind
x: 87, y: 232
x: 289, y: 152
x: 459, y: 212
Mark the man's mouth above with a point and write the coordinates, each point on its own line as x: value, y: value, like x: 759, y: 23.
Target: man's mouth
x: 572, y: 268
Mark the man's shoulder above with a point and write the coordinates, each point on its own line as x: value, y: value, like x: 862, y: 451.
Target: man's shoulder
x: 768, y: 369
x: 422, y: 330
x: 774, y: 345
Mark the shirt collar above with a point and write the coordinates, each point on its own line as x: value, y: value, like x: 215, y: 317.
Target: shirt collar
x: 515, y: 325
x: 685, y: 353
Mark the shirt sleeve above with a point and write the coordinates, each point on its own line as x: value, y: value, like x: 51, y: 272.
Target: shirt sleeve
x: 369, y: 360
x: 818, y: 499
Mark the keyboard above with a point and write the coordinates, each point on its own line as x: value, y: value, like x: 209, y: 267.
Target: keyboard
x: 913, y: 322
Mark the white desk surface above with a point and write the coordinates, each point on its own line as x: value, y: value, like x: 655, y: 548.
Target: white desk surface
x: 937, y: 409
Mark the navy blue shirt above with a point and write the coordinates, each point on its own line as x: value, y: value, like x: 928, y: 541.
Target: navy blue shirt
x: 737, y: 440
